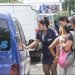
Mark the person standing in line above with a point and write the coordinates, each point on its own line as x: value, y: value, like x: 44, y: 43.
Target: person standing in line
x: 60, y: 40
x: 46, y: 36
x: 62, y: 22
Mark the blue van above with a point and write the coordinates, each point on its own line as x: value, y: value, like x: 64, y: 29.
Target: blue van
x: 14, y: 59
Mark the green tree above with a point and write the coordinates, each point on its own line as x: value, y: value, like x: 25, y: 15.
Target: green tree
x: 8, y: 1
x: 68, y: 5
x: 3, y: 1
x: 59, y: 14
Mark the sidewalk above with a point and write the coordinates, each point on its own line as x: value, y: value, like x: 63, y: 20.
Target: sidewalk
x: 36, y: 69
x: 70, y: 71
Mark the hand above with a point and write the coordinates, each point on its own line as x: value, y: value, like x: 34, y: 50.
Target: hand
x: 55, y: 61
x: 22, y: 45
x: 27, y: 47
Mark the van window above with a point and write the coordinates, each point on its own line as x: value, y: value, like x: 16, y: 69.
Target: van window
x: 4, y: 35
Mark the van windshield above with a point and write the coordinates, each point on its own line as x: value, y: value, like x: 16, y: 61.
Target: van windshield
x: 4, y: 35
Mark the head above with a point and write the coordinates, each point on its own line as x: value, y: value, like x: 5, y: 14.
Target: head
x: 63, y: 21
x: 67, y: 29
x: 43, y: 24
x: 72, y: 21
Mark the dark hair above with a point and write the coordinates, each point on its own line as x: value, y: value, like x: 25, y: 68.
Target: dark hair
x: 46, y: 21
x: 73, y: 20
x: 64, y: 18
x: 42, y: 22
x: 68, y: 28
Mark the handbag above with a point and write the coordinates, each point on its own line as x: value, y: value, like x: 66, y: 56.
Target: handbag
x: 65, y: 58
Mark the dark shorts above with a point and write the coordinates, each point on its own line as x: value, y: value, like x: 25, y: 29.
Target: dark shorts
x: 47, y: 59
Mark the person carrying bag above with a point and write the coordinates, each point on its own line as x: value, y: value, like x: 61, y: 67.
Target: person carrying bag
x: 65, y: 58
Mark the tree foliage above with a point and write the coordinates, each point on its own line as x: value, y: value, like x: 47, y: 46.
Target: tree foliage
x: 68, y: 5
x: 8, y: 1
x: 59, y: 14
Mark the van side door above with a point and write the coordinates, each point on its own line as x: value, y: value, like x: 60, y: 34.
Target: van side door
x: 20, y: 42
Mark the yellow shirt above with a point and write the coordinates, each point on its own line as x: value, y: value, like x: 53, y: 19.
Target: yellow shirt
x: 61, y: 31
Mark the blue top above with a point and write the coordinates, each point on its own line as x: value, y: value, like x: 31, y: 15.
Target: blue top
x: 46, y: 40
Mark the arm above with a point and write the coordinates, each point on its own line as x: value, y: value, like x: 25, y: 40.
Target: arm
x: 54, y: 44
x: 33, y: 44
x: 57, y: 50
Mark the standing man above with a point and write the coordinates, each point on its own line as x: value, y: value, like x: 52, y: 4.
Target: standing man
x: 62, y: 22
x: 46, y: 36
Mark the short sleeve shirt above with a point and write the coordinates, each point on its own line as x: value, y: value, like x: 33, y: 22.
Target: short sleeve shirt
x: 46, y: 39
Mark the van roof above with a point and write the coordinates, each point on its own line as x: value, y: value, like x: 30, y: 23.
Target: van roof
x: 4, y: 15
